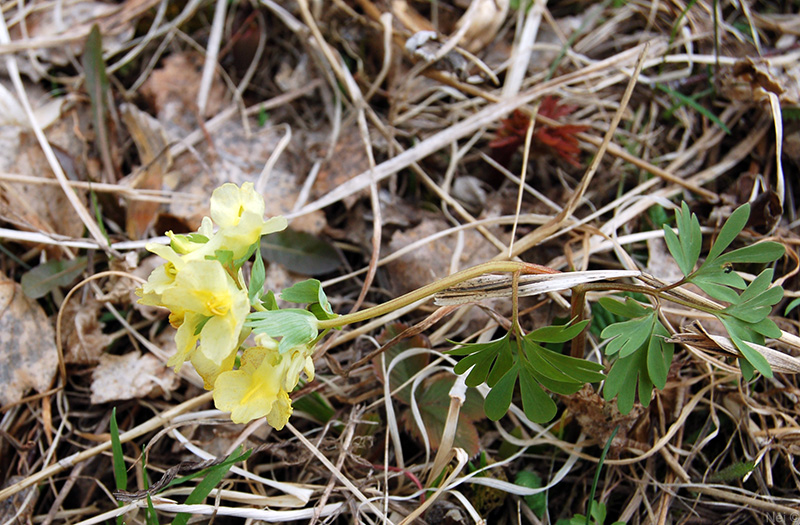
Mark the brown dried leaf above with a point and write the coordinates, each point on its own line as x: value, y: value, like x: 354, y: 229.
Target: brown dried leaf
x: 130, y: 376
x: 172, y: 91
x: 28, y: 355
x: 432, y: 260
x: 152, y: 145
x: 83, y: 332
x: 73, y: 17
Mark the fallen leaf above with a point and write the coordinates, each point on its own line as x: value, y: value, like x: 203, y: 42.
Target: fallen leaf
x: 130, y: 376
x: 152, y: 145
x: 73, y: 17
x: 431, y: 260
x: 82, y: 332
x: 28, y: 355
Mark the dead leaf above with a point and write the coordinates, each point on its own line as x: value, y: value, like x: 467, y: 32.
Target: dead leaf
x: 751, y: 80
x: 38, y: 207
x: 348, y: 159
x: 73, y: 17
x: 84, y: 340
x: 130, y: 376
x: 431, y: 260
x: 172, y: 90
x: 152, y: 145
x: 28, y: 355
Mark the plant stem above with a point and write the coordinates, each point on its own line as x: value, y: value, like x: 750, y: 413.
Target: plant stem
x: 636, y: 288
x: 432, y: 288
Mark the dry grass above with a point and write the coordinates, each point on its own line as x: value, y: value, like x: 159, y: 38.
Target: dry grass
x: 358, y: 140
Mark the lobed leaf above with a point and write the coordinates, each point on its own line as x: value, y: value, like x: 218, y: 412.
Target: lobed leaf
x: 628, y: 336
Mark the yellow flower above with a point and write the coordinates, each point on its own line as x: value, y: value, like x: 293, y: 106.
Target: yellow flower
x: 239, y: 212
x: 261, y: 385
x: 206, y: 303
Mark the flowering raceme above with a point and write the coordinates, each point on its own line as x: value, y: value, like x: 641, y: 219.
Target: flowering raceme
x: 202, y: 285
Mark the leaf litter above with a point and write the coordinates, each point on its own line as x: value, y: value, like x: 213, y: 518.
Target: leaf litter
x: 280, y: 108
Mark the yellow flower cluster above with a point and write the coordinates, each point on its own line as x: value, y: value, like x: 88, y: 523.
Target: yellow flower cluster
x: 209, y: 303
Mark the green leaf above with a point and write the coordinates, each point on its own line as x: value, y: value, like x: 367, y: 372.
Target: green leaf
x: 301, y: 252
x: 315, y: 406
x: 310, y: 292
x: 491, y: 361
x: 560, y: 367
x: 748, y: 372
x: 213, y: 476
x: 732, y: 227
x: 557, y: 333
x: 294, y: 326
x: 536, y: 404
x: 225, y: 258
x: 536, y: 502
x: 792, y: 305
x: 733, y: 472
x: 630, y: 308
x: 740, y: 335
x: 622, y: 381
x: 659, y: 356
x: 580, y: 370
x: 761, y: 253
x: 303, y: 292
x: 268, y: 301
x: 717, y: 282
x: 694, y: 104
x: 757, y: 300
x: 499, y: 397
x: 629, y: 336
x: 120, y: 470
x: 686, y: 248
x: 45, y: 278
x: 97, y: 87
x: 258, y: 276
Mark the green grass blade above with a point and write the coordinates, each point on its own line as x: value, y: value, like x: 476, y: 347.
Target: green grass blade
x: 689, y: 101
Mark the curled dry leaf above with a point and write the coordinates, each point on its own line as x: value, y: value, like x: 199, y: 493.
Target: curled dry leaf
x: 28, y: 355
x: 130, y: 376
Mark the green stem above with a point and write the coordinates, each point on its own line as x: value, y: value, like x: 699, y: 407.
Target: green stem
x: 428, y: 290
x: 659, y: 293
